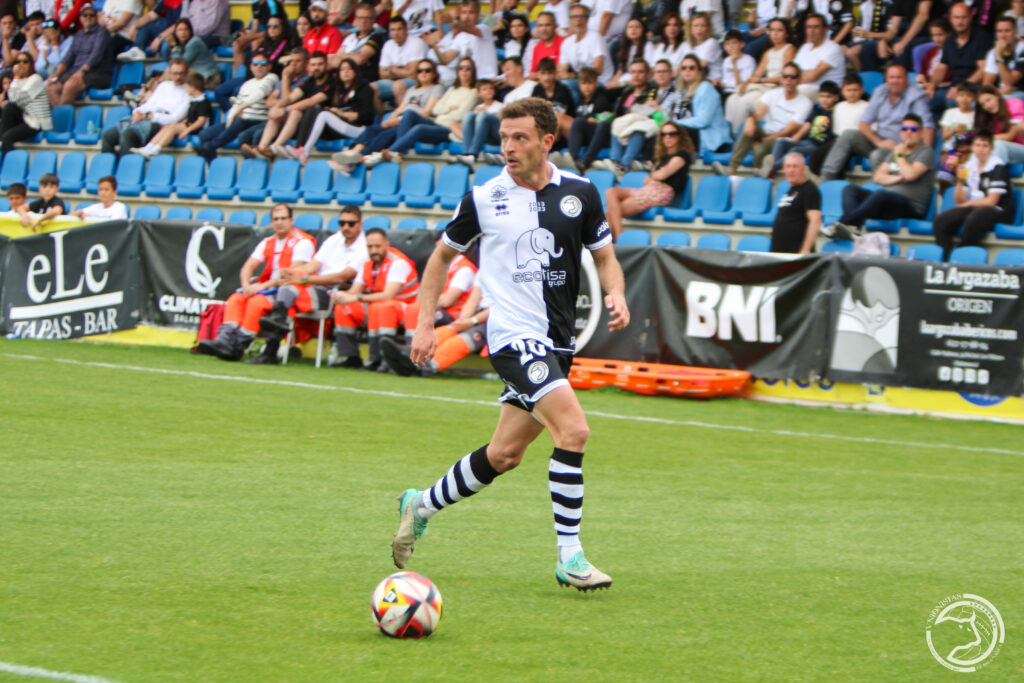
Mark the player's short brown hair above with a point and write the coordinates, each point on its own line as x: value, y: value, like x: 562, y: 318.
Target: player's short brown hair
x: 540, y: 109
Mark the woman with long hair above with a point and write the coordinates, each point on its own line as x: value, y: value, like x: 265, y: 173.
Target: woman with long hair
x: 673, y: 45
x: 52, y: 49
x: 673, y: 156
x: 703, y: 44
x: 633, y: 45
x: 767, y: 76
x: 180, y: 41
x: 349, y: 119
x: 517, y: 37
x: 698, y: 108
x: 1004, y: 119
x: 26, y: 110
x: 983, y: 198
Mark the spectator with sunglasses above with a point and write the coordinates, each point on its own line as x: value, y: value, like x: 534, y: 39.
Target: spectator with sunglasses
x: 249, y: 108
x: 51, y: 49
x: 27, y: 109
x: 88, y: 64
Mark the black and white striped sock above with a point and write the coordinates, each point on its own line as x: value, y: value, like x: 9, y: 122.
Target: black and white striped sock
x: 565, y: 481
x: 468, y: 476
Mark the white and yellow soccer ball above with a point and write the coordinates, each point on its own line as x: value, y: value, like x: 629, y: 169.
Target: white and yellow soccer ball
x: 406, y: 605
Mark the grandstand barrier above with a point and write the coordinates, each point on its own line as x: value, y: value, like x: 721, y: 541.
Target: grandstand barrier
x: 864, y: 320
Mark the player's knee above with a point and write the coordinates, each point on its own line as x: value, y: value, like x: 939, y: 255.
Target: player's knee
x: 505, y: 458
x: 573, y: 437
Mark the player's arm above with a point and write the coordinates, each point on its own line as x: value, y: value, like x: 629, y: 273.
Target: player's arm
x: 614, y: 284
x: 424, y: 342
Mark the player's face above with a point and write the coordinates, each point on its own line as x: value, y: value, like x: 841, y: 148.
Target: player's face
x: 524, y: 147
x: 281, y: 222
x: 349, y: 225
x: 377, y: 247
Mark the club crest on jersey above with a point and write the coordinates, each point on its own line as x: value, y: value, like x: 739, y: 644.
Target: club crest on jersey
x: 537, y: 372
x: 571, y: 206
x: 498, y: 193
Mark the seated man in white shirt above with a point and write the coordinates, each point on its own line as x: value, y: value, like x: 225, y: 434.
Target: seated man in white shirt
x: 398, y: 60
x: 165, y: 104
x: 469, y: 38
x: 107, y: 208
x: 820, y: 59
x: 583, y: 47
x: 1004, y: 64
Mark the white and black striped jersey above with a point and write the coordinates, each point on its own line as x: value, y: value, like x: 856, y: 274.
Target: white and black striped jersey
x: 530, y: 250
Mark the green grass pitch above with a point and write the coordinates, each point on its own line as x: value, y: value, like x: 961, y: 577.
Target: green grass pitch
x: 190, y: 525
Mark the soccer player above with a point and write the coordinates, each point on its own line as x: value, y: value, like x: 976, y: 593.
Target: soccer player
x: 532, y: 220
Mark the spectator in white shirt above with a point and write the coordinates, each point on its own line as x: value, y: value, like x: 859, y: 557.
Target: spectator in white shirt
x: 608, y: 17
x: 165, y: 104
x: 583, y: 47
x: 738, y: 66
x: 398, y: 60
x: 705, y: 46
x: 420, y: 15
x: 107, y: 208
x: 820, y: 59
x: 469, y: 39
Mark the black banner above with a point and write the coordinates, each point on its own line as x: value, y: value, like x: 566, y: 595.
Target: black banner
x: 720, y: 309
x: 930, y: 325
x: 71, y: 283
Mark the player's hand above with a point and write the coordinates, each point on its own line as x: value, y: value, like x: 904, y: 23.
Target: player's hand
x: 616, y: 305
x: 424, y: 343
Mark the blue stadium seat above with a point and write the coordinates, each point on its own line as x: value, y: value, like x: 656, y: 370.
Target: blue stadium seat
x: 316, y: 183
x: 100, y: 165
x: 417, y: 187
x: 42, y: 162
x: 412, y: 223
x: 147, y: 212
x: 71, y: 172
x: 63, y: 116
x: 382, y: 185
x: 179, y: 213
x: 452, y: 185
x: 871, y: 80
x: 713, y: 240
x: 265, y: 220
x: 767, y: 218
x: 4, y: 204
x: 130, y: 169
x: 130, y: 74
x: 14, y: 168
x: 283, y: 184
x: 925, y: 252
x: 832, y: 200
x: 712, y: 196
x: 351, y: 189
x: 155, y: 67
x: 754, y: 242
x: 382, y: 222
x: 837, y: 247
x: 159, y: 180
x: 105, y: 93
x: 485, y: 173
x: 212, y: 214
x: 635, y: 237
x: 673, y: 239
x: 924, y: 226
x: 970, y: 255
x: 1013, y: 230
x: 243, y: 217
x: 88, y: 124
x: 113, y: 115
x: 601, y: 179
x: 441, y: 225
x: 427, y: 148
x: 1009, y: 257
x: 332, y: 224
x: 252, y: 179
x: 190, y: 181
x: 220, y: 178
x: 752, y: 195
x: 309, y: 221
x: 635, y: 179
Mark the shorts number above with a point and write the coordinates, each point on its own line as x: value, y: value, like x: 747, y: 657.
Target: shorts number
x: 527, y: 349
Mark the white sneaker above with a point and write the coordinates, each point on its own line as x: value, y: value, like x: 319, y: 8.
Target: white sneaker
x: 720, y: 169
x: 607, y: 165
x: 468, y: 160
x: 134, y: 54
x: 347, y: 158
x: 371, y: 160
x: 767, y: 166
x: 492, y: 159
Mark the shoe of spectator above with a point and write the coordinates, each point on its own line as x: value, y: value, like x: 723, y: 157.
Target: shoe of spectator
x: 564, y: 160
x: 266, y: 153
x: 397, y: 357
x: 371, y: 160
x: 347, y: 158
x: 343, y: 169
x: 248, y: 151
x: 767, y: 166
x: 493, y: 159
x: 468, y: 160
x: 147, y: 151
x: 842, y: 231
x: 388, y: 155
x: 278, y: 152
x: 132, y: 98
x: 288, y: 151
x: 134, y: 54
x: 638, y: 165
x: 301, y: 155
x: 455, y: 138
x: 373, y: 366
x: 348, y: 362
x: 606, y: 165
x: 720, y: 169
x: 269, y: 354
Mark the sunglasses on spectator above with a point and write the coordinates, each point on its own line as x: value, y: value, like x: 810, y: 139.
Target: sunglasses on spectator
x: 259, y: 62
x: 465, y: 68
x: 791, y: 75
x: 668, y: 133
x: 424, y: 71
x: 688, y: 67
x: 577, y: 16
x: 348, y: 223
x: 22, y: 61
x: 911, y: 128
x: 88, y: 14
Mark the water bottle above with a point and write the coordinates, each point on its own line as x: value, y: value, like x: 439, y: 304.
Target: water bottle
x: 90, y: 127
x: 332, y: 353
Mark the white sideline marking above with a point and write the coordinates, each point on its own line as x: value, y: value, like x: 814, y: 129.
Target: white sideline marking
x: 36, y: 672
x: 492, y: 404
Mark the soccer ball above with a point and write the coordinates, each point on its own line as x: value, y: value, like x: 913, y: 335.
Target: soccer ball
x: 406, y: 605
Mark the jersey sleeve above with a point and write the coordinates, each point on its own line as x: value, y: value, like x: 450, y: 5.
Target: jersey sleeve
x: 465, y: 225
x: 596, y: 232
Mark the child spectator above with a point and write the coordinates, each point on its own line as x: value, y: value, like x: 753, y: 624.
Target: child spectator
x: 488, y: 105
x: 849, y: 111
x: 199, y: 114
x: 595, y: 106
x: 17, y: 195
x: 737, y: 67
x: 107, y: 208
x: 815, y: 133
x: 957, y: 131
x: 48, y: 206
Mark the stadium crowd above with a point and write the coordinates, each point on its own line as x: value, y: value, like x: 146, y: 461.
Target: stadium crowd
x: 657, y: 86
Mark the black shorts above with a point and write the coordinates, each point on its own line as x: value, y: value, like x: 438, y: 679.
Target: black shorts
x: 530, y: 371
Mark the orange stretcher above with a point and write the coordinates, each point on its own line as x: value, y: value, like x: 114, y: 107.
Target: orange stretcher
x: 656, y: 379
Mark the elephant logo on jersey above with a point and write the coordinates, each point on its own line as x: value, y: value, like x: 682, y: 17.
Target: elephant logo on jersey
x: 536, y: 245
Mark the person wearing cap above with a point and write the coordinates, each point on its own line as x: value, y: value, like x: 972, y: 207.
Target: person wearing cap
x: 68, y: 13
x: 322, y: 37
x: 50, y: 49
x: 88, y: 64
